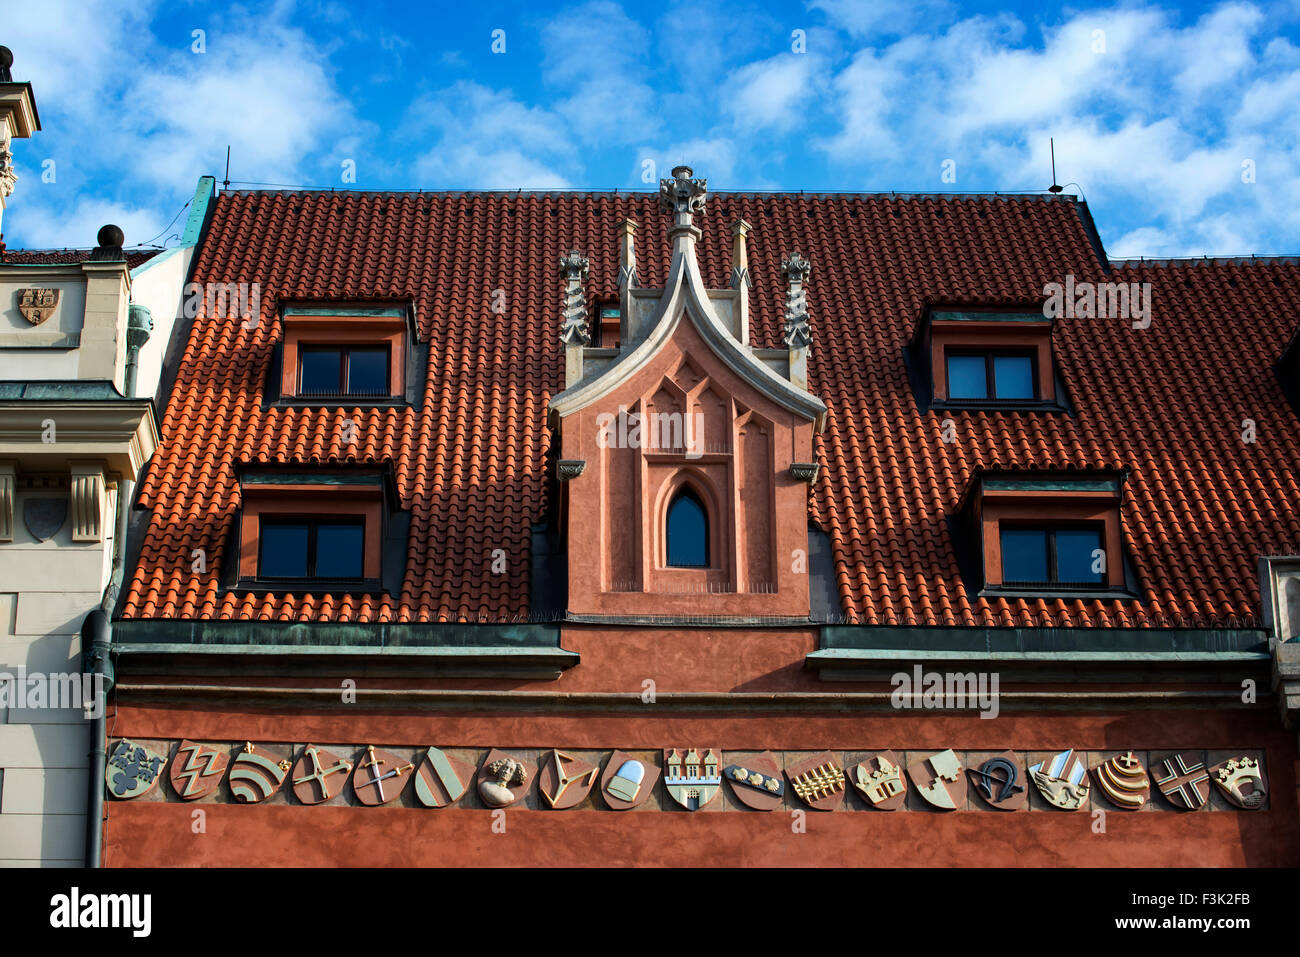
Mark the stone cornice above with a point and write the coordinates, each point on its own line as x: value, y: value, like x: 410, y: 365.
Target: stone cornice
x: 122, y: 433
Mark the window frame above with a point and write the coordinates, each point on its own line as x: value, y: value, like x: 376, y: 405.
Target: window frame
x: 1062, y: 500
x: 989, y: 354
x: 344, y: 372
x: 987, y: 333
x: 313, y: 523
x: 1051, y: 528
x: 345, y: 331
x: 686, y: 491
x: 303, y: 499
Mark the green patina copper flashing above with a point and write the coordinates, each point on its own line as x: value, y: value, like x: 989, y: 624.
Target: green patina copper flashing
x: 1137, y: 643
x: 1052, y: 484
x: 259, y: 636
x: 200, y: 208
x: 63, y: 391
x: 312, y: 478
x: 396, y: 312
x: 989, y: 317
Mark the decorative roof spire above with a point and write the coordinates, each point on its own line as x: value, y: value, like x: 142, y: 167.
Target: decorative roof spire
x: 574, y: 267
x: 797, y: 334
x: 740, y: 254
x: 683, y: 195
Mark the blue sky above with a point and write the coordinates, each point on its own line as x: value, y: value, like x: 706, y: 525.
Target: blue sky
x: 1179, y: 123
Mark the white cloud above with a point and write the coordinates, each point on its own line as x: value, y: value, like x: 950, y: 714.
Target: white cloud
x: 486, y: 139
x: 775, y: 93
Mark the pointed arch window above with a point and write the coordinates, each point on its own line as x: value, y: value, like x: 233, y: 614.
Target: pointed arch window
x: 688, y: 531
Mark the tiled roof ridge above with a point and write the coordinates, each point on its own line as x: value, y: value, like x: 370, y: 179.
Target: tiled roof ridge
x: 653, y: 194
x: 1245, y: 259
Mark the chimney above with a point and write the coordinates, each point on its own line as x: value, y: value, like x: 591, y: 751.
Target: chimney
x: 18, y: 119
x: 574, y: 331
x: 798, y: 334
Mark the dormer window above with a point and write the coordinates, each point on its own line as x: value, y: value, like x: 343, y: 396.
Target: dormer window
x: 296, y: 548
x: 990, y: 374
x: 344, y: 370
x: 1052, y: 556
x: 1045, y: 534
x: 354, y: 354
x: 334, y: 530
x: 985, y: 360
x: 688, y: 531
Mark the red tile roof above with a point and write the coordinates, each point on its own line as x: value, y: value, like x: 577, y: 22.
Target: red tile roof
x: 59, y: 257
x: 1166, y: 402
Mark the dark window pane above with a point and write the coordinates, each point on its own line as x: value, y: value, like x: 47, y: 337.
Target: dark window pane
x: 1013, y: 377
x: 283, y: 551
x: 1024, y: 555
x: 368, y: 372
x: 967, y: 378
x: 1074, y: 556
x: 688, y: 532
x: 339, y: 551
x: 320, y: 372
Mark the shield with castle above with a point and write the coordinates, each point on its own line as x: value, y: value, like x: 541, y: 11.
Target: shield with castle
x: 691, y: 776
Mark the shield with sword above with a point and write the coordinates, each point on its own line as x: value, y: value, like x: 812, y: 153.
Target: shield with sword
x: 376, y: 769
x: 319, y: 775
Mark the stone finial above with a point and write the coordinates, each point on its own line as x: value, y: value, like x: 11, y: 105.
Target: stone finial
x: 6, y: 61
x: 626, y: 254
x: 797, y: 334
x: 683, y: 195
x: 109, y: 250
x: 740, y: 254
x: 574, y: 267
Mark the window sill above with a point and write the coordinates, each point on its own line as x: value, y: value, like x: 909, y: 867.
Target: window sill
x: 1082, y: 594
x: 338, y: 401
x: 997, y: 405
x: 340, y: 586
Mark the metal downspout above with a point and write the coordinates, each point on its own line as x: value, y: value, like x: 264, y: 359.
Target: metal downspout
x: 97, y: 629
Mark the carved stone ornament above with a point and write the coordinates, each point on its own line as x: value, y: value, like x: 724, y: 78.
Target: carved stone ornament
x: 756, y: 781
x: 627, y: 781
x: 567, y: 469
x: 574, y: 267
x: 691, y: 776
x: 255, y: 777
x: 819, y: 781
x: 1063, y: 780
x: 380, y: 777
x: 1183, y: 780
x: 797, y: 333
x: 503, y: 779
x: 881, y: 781
x: 319, y: 775
x: 1241, y: 781
x: 442, y: 778
x: 1000, y: 781
x: 1124, y: 781
x: 37, y: 305
x: 564, y: 780
x: 939, y: 780
x: 804, y: 471
x: 683, y: 194
x: 44, y: 516
x: 132, y: 770
x: 196, y: 770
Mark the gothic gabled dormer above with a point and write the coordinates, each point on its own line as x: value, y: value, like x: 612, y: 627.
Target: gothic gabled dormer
x: 685, y: 450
